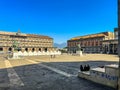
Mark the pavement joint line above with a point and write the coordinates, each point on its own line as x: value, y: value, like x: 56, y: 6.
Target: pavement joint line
x: 67, y: 67
x: 52, y: 69
x: 13, y: 76
x: 38, y: 60
x: 59, y: 65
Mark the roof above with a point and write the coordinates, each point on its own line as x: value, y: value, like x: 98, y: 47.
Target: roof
x: 89, y: 36
x: 23, y: 34
x: 11, y: 33
x: 41, y: 36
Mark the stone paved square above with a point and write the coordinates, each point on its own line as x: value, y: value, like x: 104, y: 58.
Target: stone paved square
x: 46, y: 73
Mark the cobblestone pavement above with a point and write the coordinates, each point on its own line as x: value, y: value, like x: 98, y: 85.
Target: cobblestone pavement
x: 43, y: 73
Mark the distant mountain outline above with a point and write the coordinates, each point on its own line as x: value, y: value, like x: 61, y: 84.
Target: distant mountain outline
x: 60, y: 45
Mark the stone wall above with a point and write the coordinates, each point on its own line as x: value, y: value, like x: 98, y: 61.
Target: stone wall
x: 107, y: 76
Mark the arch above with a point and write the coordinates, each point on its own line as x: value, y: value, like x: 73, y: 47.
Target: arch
x: 33, y: 49
x: 10, y: 49
x: 46, y: 49
x: 1, y: 49
x: 39, y: 49
x: 19, y: 49
x: 26, y: 49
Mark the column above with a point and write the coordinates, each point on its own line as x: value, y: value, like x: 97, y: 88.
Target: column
x: 108, y: 50
x: 22, y: 49
x: 37, y: 49
x: 113, y: 48
x: 4, y: 49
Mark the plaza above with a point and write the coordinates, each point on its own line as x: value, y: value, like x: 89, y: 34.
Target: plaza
x: 46, y: 73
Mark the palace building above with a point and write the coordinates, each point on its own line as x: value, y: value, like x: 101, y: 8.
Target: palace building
x: 25, y: 42
x: 89, y: 43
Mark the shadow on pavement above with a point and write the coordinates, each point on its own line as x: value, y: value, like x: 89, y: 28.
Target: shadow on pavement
x: 36, y: 77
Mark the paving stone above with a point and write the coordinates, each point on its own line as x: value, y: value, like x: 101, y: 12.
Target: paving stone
x: 36, y: 77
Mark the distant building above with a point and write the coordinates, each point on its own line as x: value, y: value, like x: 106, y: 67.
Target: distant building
x: 89, y: 43
x: 25, y: 42
x: 111, y: 46
x: 116, y: 33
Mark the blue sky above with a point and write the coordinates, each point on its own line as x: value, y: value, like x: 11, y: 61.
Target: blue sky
x: 60, y: 19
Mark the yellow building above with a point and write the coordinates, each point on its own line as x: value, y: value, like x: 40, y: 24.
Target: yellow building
x: 11, y: 41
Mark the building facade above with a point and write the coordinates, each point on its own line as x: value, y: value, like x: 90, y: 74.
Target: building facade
x: 111, y: 46
x: 10, y: 41
x: 89, y: 43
